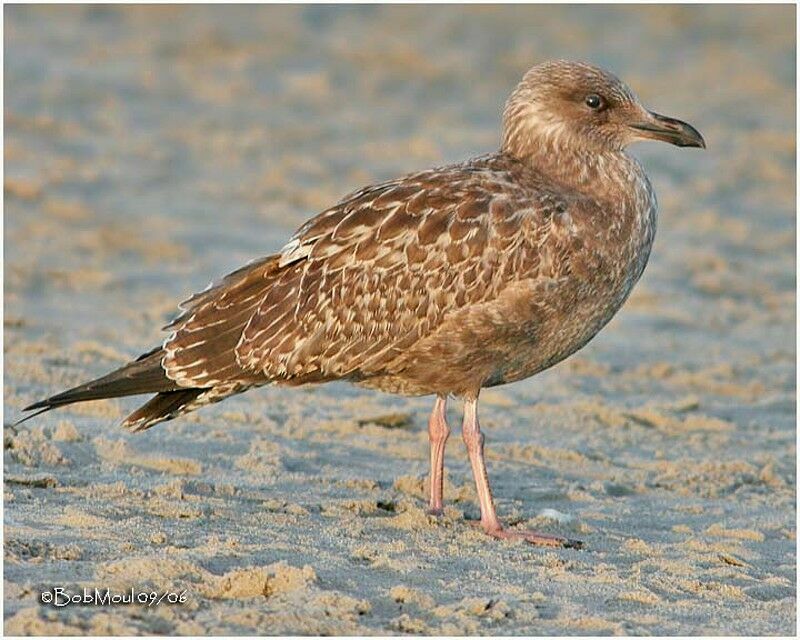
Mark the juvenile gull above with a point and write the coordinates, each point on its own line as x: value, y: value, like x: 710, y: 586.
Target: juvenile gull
x: 441, y: 282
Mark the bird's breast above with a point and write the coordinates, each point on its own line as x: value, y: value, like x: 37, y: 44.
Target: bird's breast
x: 590, y: 265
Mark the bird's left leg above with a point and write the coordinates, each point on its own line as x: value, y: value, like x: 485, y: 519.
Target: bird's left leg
x: 438, y: 432
x: 473, y: 439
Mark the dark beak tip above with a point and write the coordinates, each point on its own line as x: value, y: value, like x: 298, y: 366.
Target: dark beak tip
x: 676, y: 132
x: 696, y: 143
x: 693, y: 137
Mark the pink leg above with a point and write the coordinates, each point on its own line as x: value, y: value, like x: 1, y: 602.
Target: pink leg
x: 473, y: 439
x: 438, y: 432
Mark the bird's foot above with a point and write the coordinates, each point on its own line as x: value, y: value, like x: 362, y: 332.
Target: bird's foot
x: 532, y: 537
x: 435, y: 511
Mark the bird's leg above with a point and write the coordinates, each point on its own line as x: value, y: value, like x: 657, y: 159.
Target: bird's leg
x: 438, y: 432
x: 473, y: 439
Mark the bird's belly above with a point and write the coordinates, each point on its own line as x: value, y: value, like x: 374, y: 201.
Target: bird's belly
x: 512, y: 339
x: 561, y: 322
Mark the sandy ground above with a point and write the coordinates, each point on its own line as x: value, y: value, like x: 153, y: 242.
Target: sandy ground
x: 150, y: 150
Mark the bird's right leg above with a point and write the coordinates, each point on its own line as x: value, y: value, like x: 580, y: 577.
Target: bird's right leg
x: 473, y: 439
x: 438, y: 432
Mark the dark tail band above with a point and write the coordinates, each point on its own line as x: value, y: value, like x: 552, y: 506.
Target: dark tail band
x: 143, y: 375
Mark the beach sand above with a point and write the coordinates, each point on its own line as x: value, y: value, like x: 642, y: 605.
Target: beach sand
x: 149, y: 150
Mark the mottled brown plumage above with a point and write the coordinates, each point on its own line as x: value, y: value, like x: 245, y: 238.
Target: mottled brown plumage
x: 441, y: 282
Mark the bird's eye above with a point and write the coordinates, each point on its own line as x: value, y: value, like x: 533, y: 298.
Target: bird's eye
x: 593, y: 101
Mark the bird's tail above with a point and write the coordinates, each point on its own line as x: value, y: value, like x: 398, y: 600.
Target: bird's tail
x: 165, y: 405
x: 143, y: 375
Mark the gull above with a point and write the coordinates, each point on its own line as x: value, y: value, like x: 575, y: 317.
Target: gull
x: 442, y: 282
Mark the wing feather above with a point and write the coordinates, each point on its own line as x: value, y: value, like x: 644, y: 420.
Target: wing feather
x: 200, y: 351
x: 367, y: 279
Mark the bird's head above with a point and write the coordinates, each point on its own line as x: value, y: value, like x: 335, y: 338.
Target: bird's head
x: 572, y: 105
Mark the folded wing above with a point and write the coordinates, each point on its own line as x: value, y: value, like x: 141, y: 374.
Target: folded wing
x: 362, y: 282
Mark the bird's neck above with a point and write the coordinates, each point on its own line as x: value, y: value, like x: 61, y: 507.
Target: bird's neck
x: 588, y: 171
x: 610, y: 177
x: 615, y: 181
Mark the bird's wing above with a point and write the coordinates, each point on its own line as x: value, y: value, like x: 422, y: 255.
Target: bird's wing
x: 200, y: 350
x: 363, y: 281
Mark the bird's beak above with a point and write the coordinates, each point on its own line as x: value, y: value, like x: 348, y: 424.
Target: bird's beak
x: 658, y: 127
